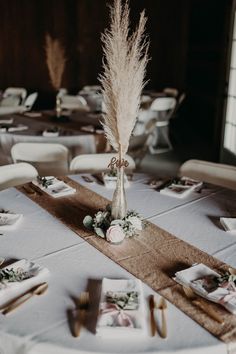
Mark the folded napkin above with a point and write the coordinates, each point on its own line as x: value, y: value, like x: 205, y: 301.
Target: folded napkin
x: 121, y: 309
x: 55, y: 188
x: 6, y: 121
x: 17, y: 128
x: 34, y: 275
x: 33, y: 114
x: 202, y: 280
x: 12, y: 128
x: 50, y: 134
x: 229, y: 224
x: 9, y: 221
x: 110, y: 181
x: 88, y: 128
x: 181, y: 187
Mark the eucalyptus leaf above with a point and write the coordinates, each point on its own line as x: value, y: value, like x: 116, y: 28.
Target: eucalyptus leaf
x: 99, y: 232
x: 88, y: 222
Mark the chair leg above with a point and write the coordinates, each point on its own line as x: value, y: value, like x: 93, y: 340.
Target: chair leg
x: 165, y: 134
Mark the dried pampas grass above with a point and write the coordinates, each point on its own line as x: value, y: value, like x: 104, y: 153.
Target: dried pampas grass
x: 56, y: 60
x: 125, y: 60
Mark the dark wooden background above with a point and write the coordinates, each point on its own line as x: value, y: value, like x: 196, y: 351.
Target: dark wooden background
x: 189, y: 47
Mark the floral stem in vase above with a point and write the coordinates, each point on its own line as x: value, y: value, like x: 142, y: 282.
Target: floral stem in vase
x: 58, y: 106
x: 119, y: 204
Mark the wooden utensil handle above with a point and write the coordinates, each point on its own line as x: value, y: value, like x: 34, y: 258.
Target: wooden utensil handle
x: 17, y: 303
x: 163, y: 324
x: 78, y: 322
x: 152, y: 323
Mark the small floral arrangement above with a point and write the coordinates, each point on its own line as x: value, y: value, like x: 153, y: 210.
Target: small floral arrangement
x: 45, y: 182
x: 114, y: 231
x: 112, y: 173
x: 11, y: 275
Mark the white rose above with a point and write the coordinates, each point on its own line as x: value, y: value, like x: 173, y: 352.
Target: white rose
x: 99, y: 217
x: 136, y: 222
x: 115, y: 234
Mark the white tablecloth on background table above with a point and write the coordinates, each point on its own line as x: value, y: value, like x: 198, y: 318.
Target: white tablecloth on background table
x: 77, y: 144
x: 41, y: 325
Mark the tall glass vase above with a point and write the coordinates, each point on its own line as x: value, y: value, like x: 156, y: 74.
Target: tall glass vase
x: 58, y: 106
x: 119, y: 204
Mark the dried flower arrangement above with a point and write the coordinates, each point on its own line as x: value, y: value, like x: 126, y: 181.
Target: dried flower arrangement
x: 125, y: 60
x: 56, y: 61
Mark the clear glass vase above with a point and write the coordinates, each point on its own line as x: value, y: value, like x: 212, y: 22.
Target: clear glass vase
x: 119, y: 204
x: 58, y: 106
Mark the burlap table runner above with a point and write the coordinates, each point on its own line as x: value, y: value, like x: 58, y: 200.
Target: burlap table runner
x: 153, y: 257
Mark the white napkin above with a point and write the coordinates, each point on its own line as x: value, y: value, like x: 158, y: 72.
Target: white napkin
x: 183, y: 189
x: 192, y: 277
x: 110, y: 181
x: 57, y: 188
x: 49, y: 134
x: 33, y: 114
x: 18, y: 128
x: 11, y: 129
x: 10, y: 291
x: 229, y: 224
x: 9, y: 221
x: 114, y: 322
x: 6, y: 121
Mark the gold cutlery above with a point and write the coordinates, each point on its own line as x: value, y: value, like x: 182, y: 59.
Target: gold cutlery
x: 81, y: 311
x: 98, y: 178
x: 88, y: 179
x: 38, y: 290
x: 152, y: 319
x: 202, y: 304
x: 28, y: 190
x: 163, y: 306
x: 232, y: 271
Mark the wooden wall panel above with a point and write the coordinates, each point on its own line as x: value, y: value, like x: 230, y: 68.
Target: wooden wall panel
x: 79, y: 23
x: 187, y: 50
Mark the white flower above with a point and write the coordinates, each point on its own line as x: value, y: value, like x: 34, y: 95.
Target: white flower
x: 115, y: 234
x: 135, y: 221
x: 99, y: 217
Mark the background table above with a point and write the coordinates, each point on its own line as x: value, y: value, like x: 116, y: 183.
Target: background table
x: 74, y: 264
x: 70, y: 133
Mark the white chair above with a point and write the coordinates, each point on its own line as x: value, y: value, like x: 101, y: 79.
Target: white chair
x: 92, y: 163
x: 171, y: 91
x: 89, y: 88
x: 163, y: 109
x: 72, y: 102
x: 16, y: 174
x: 13, y: 96
x: 14, y: 109
x: 30, y: 101
x: 142, y: 140
x: 211, y: 172
x: 49, y: 159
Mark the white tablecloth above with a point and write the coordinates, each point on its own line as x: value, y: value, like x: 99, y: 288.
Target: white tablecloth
x: 41, y: 325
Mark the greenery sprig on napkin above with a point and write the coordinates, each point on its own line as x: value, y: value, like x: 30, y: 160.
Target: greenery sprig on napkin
x: 11, y: 275
x: 45, y: 182
x: 124, y: 300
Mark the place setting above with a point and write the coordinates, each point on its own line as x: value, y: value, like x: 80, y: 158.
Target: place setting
x: 19, y: 282
x: 120, y: 311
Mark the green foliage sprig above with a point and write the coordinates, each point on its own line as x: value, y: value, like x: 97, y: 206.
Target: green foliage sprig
x: 11, y: 275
